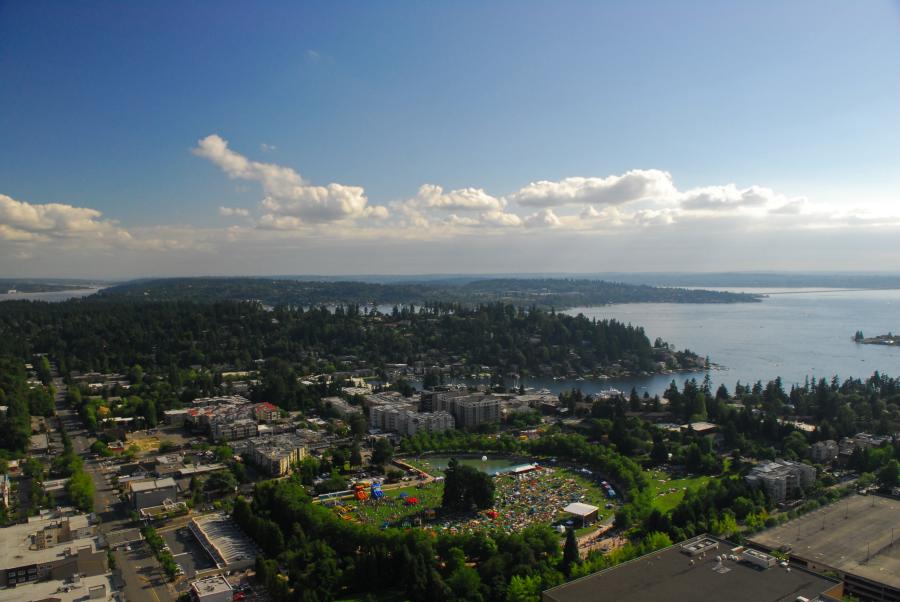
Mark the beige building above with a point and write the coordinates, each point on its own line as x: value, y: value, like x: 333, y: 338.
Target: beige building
x: 276, y: 454
x: 229, y: 430
x: 212, y: 589
x: 152, y: 492
x: 475, y: 410
x: 407, y: 421
x: 51, y: 547
x: 781, y: 478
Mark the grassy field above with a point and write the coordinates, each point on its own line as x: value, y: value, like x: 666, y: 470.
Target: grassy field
x: 537, y: 498
x: 661, y: 483
x: 392, y: 508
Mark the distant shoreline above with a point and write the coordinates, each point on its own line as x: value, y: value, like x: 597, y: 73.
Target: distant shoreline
x: 51, y: 296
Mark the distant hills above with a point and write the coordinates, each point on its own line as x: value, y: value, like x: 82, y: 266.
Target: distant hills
x: 557, y: 293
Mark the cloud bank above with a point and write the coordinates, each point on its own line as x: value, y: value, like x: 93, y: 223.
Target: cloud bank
x: 638, y: 213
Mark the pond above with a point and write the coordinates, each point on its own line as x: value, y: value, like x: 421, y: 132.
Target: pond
x: 493, y: 465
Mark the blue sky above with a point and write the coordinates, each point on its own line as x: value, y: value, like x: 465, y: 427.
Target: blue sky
x: 103, y: 105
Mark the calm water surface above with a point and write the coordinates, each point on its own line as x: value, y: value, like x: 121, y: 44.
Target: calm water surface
x: 54, y: 296
x: 792, y: 334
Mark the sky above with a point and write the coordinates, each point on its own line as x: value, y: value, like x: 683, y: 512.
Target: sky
x: 201, y: 138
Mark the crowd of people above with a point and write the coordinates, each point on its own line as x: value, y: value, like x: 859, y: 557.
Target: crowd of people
x: 520, y: 500
x: 538, y: 496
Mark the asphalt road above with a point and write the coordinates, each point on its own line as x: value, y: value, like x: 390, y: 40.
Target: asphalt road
x: 137, y: 571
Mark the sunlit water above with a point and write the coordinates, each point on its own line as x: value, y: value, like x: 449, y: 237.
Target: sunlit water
x: 52, y: 297
x: 793, y: 335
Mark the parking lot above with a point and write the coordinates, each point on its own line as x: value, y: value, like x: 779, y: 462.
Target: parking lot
x: 187, y: 552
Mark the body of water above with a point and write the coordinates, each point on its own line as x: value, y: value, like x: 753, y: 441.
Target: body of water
x: 53, y: 296
x: 793, y: 333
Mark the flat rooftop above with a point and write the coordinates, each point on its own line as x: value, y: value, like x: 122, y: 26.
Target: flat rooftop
x: 211, y: 585
x: 65, y: 590
x: 668, y: 575
x: 16, y: 540
x: 152, y: 484
x: 123, y: 537
x: 229, y: 543
x: 852, y: 535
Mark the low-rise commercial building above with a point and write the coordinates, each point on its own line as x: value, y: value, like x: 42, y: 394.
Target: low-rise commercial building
x: 853, y: 538
x: 224, y: 542
x: 54, y: 546
x: 704, y: 568
x: 212, y: 589
x: 152, y: 492
x: 76, y: 588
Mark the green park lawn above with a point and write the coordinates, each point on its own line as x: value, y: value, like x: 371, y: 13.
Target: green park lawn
x: 518, y: 504
x: 391, y: 508
x: 663, y: 500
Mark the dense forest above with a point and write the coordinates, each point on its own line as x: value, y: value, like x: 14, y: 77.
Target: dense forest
x: 15, y: 422
x: 104, y: 335
x: 543, y: 292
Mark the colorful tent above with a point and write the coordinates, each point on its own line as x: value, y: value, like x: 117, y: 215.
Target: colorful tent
x: 376, y: 491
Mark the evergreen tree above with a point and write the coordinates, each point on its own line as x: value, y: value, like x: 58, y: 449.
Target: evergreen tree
x: 570, y: 551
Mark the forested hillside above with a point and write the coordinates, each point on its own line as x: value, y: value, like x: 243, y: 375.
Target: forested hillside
x: 99, y: 334
x: 546, y: 292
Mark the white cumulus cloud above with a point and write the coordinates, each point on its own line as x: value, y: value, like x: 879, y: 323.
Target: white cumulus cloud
x: 545, y: 218
x: 234, y: 212
x: 463, y: 199
x: 288, y: 194
x: 20, y: 220
x: 634, y: 185
x: 718, y: 198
